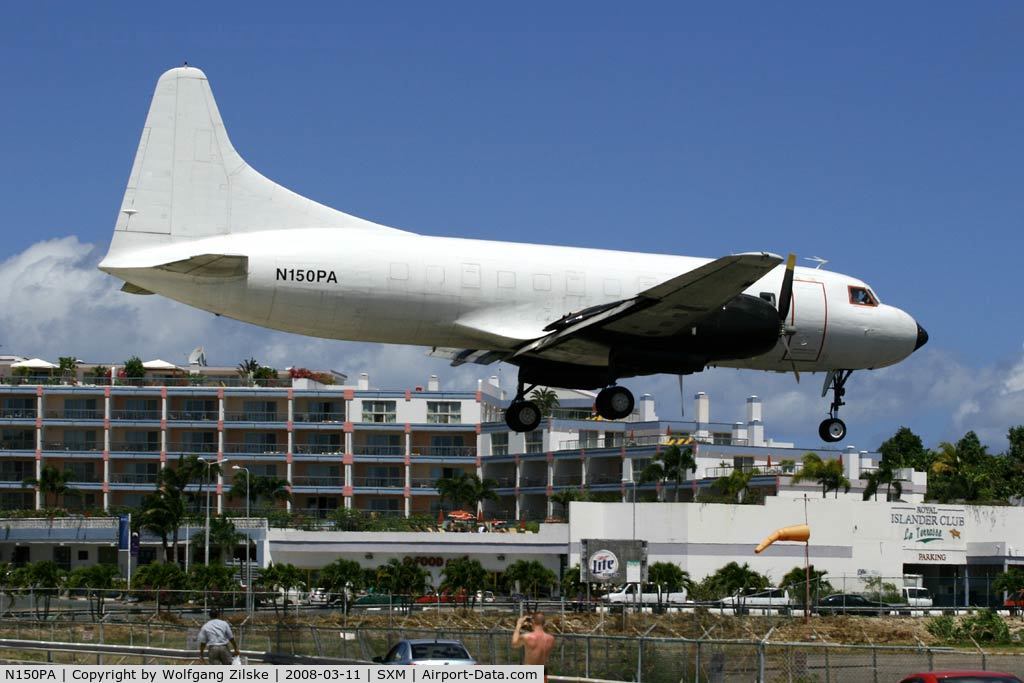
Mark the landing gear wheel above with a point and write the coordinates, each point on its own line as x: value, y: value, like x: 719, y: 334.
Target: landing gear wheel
x: 615, y: 403
x: 833, y: 429
x: 522, y: 416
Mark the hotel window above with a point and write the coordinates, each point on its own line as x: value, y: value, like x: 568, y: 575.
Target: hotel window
x: 499, y: 443
x: 81, y: 409
x: 612, y: 439
x: 80, y: 439
x: 260, y: 411
x: 260, y: 442
x: 444, y: 412
x: 17, y: 439
x: 382, y: 444
x: 588, y: 438
x: 81, y: 471
x: 379, y: 411
x: 199, y: 442
x: 199, y: 409
x: 18, y: 407
x: 446, y: 445
x: 138, y: 441
x: 141, y: 409
x: 535, y: 441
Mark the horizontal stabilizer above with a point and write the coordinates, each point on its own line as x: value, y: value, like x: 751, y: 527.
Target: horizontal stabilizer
x: 129, y: 288
x: 210, y: 265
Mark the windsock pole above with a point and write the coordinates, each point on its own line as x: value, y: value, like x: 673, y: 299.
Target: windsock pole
x: 800, y: 533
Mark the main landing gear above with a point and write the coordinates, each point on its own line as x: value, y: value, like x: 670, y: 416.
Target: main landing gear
x: 833, y: 429
x: 522, y: 415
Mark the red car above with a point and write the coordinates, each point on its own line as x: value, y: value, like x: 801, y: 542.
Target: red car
x: 961, y: 677
x: 444, y: 597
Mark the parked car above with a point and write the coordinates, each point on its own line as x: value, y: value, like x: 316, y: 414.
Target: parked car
x: 778, y: 599
x: 428, y: 653
x: 485, y: 596
x: 628, y: 595
x: 381, y: 600
x: 916, y: 596
x: 318, y: 596
x: 444, y: 597
x: 851, y: 603
x: 961, y: 677
x: 1014, y: 602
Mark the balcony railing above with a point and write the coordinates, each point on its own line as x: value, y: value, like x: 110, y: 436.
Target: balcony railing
x: 75, y: 414
x: 322, y: 482
x: 446, y: 452
x: 566, y: 480
x: 18, y: 413
x: 139, y: 415
x: 193, y: 415
x: 319, y: 448
x: 422, y: 482
x: 504, y: 482
x: 253, y: 416
x: 259, y: 448
x: 133, y: 478
x: 379, y: 482
x: 604, y: 479
x: 135, y: 446
x: 72, y: 446
x: 785, y: 470
x: 85, y: 478
x: 191, y: 447
x: 533, y: 481
x: 378, y: 450
x: 319, y: 417
x: 20, y: 445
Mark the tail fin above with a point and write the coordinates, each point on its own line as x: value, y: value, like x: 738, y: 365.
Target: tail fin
x: 188, y: 182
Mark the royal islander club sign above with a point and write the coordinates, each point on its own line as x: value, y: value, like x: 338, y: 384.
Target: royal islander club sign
x: 931, y: 534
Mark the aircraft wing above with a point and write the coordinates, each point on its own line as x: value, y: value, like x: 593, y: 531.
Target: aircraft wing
x: 666, y: 309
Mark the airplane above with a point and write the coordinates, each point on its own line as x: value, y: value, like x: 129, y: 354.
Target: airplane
x: 200, y: 226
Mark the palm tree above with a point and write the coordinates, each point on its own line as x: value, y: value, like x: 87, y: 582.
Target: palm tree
x: 164, y: 511
x: 96, y: 580
x: 165, y: 580
x: 731, y: 489
x: 68, y: 366
x: 884, y: 474
x: 454, y: 489
x: 223, y: 537
x: 260, y: 488
x: 218, y: 579
x: 399, y: 579
x: 733, y: 578
x: 45, y: 578
x: 279, y: 580
x: 669, y: 578
x: 546, y: 400
x: 464, y: 576
x: 9, y: 580
x: 564, y: 497
x: 531, y: 576
x: 795, y: 581
x: 828, y: 473
x: 672, y: 465
x: 478, y: 490
x: 55, y: 481
x: 247, y: 370
x: 340, y: 576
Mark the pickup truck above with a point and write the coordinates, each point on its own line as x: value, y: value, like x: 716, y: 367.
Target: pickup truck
x: 916, y: 597
x: 628, y: 595
x: 777, y: 599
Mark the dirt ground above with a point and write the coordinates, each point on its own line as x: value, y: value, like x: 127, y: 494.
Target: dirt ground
x: 890, y: 630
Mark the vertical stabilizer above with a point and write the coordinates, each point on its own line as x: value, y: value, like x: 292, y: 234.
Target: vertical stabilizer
x: 188, y: 182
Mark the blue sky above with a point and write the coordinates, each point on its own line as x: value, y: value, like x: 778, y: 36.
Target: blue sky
x: 887, y: 138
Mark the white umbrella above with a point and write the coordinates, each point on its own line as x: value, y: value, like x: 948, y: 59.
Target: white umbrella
x: 159, y: 365
x: 35, y: 364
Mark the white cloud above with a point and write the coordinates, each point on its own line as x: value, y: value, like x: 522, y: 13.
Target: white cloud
x: 54, y: 302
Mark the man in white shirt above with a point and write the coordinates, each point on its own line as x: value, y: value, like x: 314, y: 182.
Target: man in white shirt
x: 216, y: 633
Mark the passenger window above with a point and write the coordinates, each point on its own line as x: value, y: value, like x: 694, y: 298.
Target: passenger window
x: 862, y: 296
x: 471, y: 275
x: 399, y: 271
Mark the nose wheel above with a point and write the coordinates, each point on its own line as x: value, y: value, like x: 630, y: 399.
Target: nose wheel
x: 833, y: 429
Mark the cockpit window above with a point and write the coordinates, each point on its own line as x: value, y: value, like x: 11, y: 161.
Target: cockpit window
x: 862, y: 296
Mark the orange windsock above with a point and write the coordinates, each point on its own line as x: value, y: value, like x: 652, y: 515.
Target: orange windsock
x: 800, y: 532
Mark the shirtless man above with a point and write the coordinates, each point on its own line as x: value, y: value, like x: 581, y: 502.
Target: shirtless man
x: 537, y: 644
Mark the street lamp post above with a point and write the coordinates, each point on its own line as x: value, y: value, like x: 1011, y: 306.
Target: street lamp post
x: 206, y: 543
x: 248, y: 565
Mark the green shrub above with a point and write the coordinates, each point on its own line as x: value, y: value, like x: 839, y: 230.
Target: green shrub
x: 943, y: 627
x: 985, y: 627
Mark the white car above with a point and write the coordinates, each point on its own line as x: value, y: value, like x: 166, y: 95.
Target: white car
x: 318, y: 596
x: 777, y: 599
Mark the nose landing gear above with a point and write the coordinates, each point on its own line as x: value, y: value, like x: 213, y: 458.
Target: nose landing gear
x: 833, y: 429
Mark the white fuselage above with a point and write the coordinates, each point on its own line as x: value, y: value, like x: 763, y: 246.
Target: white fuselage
x: 403, y: 288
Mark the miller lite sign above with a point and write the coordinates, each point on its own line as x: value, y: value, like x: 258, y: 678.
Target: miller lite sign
x: 605, y: 560
x: 603, y: 565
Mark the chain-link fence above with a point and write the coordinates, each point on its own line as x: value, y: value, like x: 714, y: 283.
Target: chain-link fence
x: 619, y: 658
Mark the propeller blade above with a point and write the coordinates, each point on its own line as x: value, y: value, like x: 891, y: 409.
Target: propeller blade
x: 786, y: 295
x: 792, y: 363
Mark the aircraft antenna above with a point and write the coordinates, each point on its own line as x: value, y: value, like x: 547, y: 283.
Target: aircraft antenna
x: 816, y: 259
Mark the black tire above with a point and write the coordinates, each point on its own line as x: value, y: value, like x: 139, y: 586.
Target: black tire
x: 522, y: 416
x: 615, y: 403
x: 832, y: 430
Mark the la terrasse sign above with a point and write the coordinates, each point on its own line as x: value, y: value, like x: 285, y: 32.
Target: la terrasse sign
x: 932, y: 533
